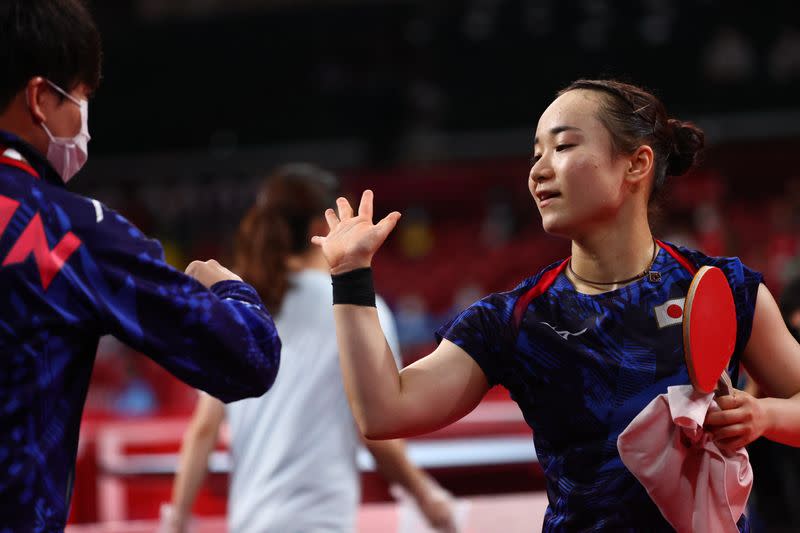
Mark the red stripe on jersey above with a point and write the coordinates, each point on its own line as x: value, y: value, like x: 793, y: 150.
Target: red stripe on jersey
x: 7, y: 209
x: 19, y: 164
x: 685, y: 263
x: 544, y: 283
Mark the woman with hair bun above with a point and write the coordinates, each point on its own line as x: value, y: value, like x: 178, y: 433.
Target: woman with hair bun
x: 586, y: 343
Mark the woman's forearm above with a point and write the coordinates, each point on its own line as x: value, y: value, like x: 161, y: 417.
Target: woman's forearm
x: 394, y: 465
x: 784, y: 419
x: 191, y: 472
x: 370, y: 374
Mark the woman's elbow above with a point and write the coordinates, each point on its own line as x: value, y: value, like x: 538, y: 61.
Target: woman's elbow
x: 378, y: 428
x: 372, y: 432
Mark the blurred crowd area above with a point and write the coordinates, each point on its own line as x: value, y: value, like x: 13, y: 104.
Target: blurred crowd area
x: 392, y: 72
x: 468, y: 228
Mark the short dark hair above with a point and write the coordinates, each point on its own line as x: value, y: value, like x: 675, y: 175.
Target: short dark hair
x: 55, y: 39
x: 634, y: 116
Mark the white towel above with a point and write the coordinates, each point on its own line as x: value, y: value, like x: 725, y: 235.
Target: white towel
x: 697, y: 486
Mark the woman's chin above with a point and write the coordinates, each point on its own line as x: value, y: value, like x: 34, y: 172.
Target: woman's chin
x: 554, y: 226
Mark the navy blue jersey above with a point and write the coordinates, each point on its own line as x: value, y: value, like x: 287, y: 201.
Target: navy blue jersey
x: 72, y: 270
x: 581, y: 367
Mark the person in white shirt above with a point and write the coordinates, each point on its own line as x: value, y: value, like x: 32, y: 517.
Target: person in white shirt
x: 294, y: 449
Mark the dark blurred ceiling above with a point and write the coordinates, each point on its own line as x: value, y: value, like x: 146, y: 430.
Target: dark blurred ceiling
x: 192, y: 75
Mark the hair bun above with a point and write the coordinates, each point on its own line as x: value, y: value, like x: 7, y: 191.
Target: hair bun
x: 687, y: 142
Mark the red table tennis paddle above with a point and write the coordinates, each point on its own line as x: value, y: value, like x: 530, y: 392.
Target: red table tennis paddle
x: 709, y: 330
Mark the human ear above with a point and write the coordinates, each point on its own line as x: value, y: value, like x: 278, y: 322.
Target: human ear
x: 37, y: 98
x: 640, y: 164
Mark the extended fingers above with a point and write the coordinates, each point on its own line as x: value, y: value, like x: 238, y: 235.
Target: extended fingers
x: 332, y: 219
x: 365, y: 207
x: 387, y: 223
x: 345, y: 211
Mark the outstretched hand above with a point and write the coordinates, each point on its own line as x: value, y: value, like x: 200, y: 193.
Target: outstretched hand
x: 352, y: 240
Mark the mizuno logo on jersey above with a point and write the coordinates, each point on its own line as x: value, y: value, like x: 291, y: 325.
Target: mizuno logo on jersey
x: 670, y: 313
x: 564, y: 334
x: 33, y: 240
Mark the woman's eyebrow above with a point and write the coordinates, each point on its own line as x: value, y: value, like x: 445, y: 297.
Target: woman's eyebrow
x: 556, y: 130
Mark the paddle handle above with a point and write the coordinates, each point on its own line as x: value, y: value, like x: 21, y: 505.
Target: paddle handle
x: 724, y: 385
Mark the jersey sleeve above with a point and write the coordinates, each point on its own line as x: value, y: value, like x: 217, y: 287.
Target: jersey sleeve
x: 484, y: 330
x: 221, y: 340
x: 744, y: 284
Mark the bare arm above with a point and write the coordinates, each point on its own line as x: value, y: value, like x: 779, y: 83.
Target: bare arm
x: 429, y: 394
x: 772, y: 359
x: 198, y: 443
x: 394, y: 465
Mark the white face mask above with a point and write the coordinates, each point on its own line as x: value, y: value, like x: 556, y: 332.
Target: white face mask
x: 68, y: 154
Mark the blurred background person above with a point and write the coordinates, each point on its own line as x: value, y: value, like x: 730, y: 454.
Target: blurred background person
x: 294, y: 450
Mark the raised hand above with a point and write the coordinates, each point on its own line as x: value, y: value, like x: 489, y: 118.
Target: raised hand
x: 353, y: 240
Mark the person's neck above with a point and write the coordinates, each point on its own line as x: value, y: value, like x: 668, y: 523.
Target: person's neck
x: 15, y: 121
x: 613, y: 253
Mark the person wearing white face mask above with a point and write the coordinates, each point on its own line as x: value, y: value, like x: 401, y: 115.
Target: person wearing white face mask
x: 72, y: 270
x: 69, y: 154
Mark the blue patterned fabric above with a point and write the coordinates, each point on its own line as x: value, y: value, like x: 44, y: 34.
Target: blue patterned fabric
x: 72, y: 270
x: 581, y: 367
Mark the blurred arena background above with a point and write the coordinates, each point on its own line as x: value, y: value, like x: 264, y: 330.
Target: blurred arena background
x: 432, y: 105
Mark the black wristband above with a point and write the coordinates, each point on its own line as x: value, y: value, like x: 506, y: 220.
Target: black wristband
x: 354, y: 288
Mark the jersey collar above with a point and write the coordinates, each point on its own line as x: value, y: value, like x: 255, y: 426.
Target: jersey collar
x: 17, y: 153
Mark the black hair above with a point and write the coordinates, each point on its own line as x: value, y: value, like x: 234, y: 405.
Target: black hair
x: 55, y: 39
x: 635, y: 117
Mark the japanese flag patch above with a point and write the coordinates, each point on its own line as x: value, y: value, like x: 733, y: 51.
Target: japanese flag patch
x: 670, y: 313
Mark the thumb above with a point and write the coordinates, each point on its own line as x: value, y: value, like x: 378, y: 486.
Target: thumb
x: 728, y: 402
x: 387, y: 224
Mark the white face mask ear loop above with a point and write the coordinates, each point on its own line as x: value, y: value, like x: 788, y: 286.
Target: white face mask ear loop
x: 47, y: 131
x: 63, y: 92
